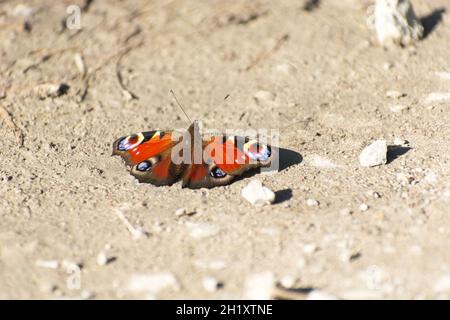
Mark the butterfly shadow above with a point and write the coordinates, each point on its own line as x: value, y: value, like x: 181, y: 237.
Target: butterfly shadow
x: 430, y: 21
x: 288, y: 158
x: 396, y: 151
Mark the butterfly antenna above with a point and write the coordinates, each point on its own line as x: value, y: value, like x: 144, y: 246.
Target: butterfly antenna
x: 179, y: 104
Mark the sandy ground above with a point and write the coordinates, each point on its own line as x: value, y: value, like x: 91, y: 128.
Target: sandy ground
x: 64, y: 200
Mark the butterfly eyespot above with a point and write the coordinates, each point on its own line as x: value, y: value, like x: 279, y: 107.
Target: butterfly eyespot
x: 130, y: 142
x: 217, y: 173
x: 144, y: 166
x: 258, y: 152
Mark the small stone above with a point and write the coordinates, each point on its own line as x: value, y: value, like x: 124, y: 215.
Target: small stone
x: 363, y: 207
x: 403, y: 178
x: 257, y: 194
x: 48, y: 90
x: 264, y: 96
x: 199, y: 230
x: 103, y: 259
x: 320, y: 295
x: 388, y: 66
x: 397, y: 108
x: 180, y: 212
x: 49, y: 264
x: 286, y: 68
x: 393, y: 94
x: 152, y: 283
x: 86, y: 295
x: 259, y: 286
x: 210, y: 284
x: 345, y: 212
x: 288, y: 281
x: 309, y: 248
x: 312, y: 203
x: 374, y: 155
x: 396, y: 23
x: 437, y: 97
x: 321, y: 162
x: 400, y: 142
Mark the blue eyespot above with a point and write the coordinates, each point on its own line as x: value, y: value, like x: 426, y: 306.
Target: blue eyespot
x: 259, y: 152
x: 144, y: 166
x: 217, y: 173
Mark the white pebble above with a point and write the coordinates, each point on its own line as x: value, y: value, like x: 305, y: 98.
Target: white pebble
x: 210, y: 284
x: 259, y: 286
x: 437, y: 97
x: 312, y: 203
x: 374, y: 155
x: 288, y: 281
x: 400, y: 142
x: 363, y: 207
x: 180, y: 212
x: 263, y: 95
x: 285, y: 68
x: 397, y: 108
x: 396, y: 22
x: 49, y: 264
x: 257, y: 194
x: 321, y: 162
x: 394, y: 94
x: 152, y: 283
x: 199, y: 230
x: 102, y: 258
x: 320, y: 295
x: 345, y: 212
x: 309, y: 248
x: 48, y: 90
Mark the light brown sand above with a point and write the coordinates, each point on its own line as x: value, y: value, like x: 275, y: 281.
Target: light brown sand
x: 61, y: 191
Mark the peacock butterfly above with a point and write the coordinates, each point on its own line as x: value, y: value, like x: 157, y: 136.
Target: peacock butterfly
x: 200, y: 161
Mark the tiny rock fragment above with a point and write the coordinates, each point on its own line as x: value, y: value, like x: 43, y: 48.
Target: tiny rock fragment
x: 210, y: 284
x: 374, y: 154
x: 396, y: 23
x: 288, y: 281
x: 437, y: 97
x: 400, y: 142
x: 403, y: 178
x: 86, y: 295
x: 263, y: 96
x: 79, y: 62
x: 397, y: 108
x: 363, y: 207
x: 345, y: 212
x: 259, y: 286
x: 103, y: 258
x: 257, y: 194
x: 151, y: 283
x: 49, y: 264
x: 321, y: 162
x: 199, y: 230
x: 320, y: 295
x: 393, y: 94
x: 309, y: 248
x: 286, y: 68
x: 47, y: 90
x: 312, y: 203
x: 180, y: 212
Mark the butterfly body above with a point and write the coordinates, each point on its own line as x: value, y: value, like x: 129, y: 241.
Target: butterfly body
x: 200, y: 161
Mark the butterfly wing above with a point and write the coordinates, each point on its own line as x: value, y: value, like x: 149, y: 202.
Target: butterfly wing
x: 149, y: 156
x: 223, y: 159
